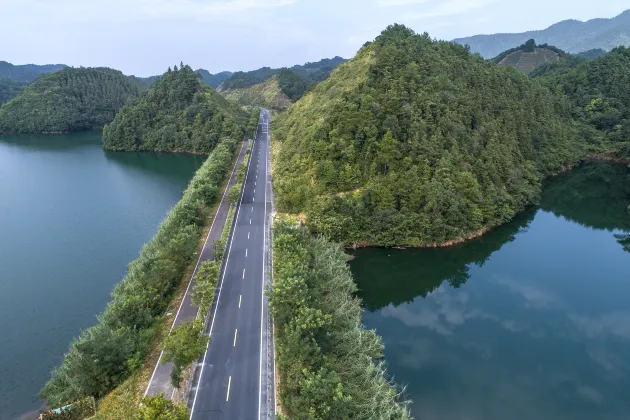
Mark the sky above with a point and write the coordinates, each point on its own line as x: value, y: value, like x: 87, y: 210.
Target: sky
x: 144, y: 37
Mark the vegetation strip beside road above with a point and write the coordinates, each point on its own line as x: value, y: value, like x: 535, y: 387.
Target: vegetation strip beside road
x: 109, y: 352
x: 329, y: 365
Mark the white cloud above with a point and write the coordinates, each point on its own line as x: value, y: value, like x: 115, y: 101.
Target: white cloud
x: 391, y: 3
x: 452, y: 7
x: 133, y: 10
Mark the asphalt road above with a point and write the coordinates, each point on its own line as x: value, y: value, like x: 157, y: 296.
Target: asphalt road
x: 233, y: 381
x: 160, y: 380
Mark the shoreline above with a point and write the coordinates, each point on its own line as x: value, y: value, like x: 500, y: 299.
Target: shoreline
x: 602, y: 158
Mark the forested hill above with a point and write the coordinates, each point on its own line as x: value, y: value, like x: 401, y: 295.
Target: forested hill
x: 310, y: 72
x: 178, y: 114
x: 10, y: 89
x: 267, y: 94
x: 26, y: 72
x: 415, y: 142
x: 572, y: 36
x: 278, y: 92
x: 71, y: 99
x: 600, y: 95
x: 213, y: 80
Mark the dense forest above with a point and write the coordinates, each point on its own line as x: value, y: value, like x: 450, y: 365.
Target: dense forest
x: 213, y: 80
x: 310, y: 72
x: 10, y: 89
x: 419, y: 142
x: 266, y: 94
x: 179, y: 114
x: 71, y: 99
x: 600, y: 95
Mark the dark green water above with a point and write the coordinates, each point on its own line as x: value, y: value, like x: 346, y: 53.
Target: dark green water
x: 71, y: 217
x: 531, y: 321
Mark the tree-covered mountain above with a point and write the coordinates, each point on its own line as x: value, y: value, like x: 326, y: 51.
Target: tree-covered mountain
x: 71, y: 99
x: 10, y: 89
x: 178, y: 114
x: 528, y: 57
x: 277, y: 92
x: 592, y: 54
x: 277, y: 88
x: 267, y: 94
x: 572, y: 36
x: 213, y: 80
x: 310, y: 72
x: 600, y: 95
x: 144, y: 82
x: 26, y: 72
x: 419, y: 142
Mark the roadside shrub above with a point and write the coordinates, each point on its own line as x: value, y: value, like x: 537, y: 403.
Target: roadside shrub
x: 329, y: 365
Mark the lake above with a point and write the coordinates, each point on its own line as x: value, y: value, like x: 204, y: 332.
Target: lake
x: 71, y: 218
x: 531, y: 321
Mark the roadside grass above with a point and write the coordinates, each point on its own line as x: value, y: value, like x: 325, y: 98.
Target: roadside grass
x: 125, y: 398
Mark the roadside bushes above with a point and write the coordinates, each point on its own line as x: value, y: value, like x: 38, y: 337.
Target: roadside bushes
x: 183, y: 346
x: 107, y: 353
x: 329, y: 365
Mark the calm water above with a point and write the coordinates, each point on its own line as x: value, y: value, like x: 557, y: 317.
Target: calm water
x: 71, y: 217
x: 530, y: 322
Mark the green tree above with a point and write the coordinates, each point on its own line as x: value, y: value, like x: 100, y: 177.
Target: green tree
x: 205, y: 284
x: 234, y: 193
x: 184, y: 345
x: 159, y: 408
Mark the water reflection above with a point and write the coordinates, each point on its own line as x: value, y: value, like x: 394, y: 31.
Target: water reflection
x: 530, y: 322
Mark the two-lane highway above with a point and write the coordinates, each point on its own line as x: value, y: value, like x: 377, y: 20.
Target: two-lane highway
x: 232, y: 383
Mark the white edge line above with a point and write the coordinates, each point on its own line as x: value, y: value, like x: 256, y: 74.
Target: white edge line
x: 195, y: 270
x: 227, y: 258
x: 262, y: 293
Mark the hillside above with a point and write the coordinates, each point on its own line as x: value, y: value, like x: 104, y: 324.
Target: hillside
x: 418, y: 142
x: 572, y: 36
x: 310, y: 72
x: 26, y: 72
x: 528, y: 57
x: 72, y: 99
x: 10, y: 89
x: 213, y: 80
x: 266, y: 94
x: 177, y: 114
x: 600, y: 95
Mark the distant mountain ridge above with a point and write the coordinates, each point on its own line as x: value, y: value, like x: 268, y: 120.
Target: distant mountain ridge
x: 572, y: 36
x: 313, y: 72
x: 26, y: 72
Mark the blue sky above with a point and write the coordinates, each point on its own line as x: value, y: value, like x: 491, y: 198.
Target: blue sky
x: 144, y: 37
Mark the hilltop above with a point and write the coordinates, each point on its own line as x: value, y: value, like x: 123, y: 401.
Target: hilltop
x: 178, y: 113
x: 528, y: 57
x: 26, y: 72
x: 71, y: 99
x: 213, y: 80
x: 418, y: 142
x: 572, y: 36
